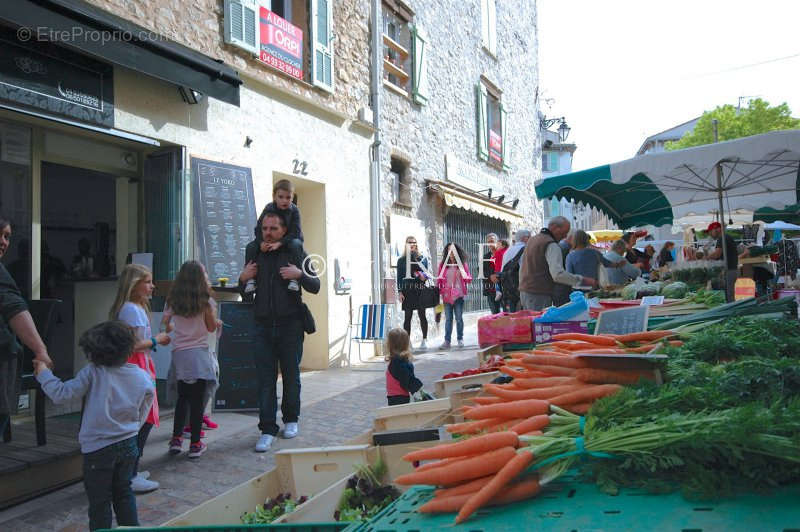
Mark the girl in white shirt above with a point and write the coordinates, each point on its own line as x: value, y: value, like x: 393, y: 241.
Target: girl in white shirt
x: 190, y: 314
x: 132, y: 305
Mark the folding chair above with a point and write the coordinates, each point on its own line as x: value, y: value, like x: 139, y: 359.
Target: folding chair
x: 371, y: 328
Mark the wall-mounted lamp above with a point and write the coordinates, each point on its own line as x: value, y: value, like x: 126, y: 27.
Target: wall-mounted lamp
x: 563, y: 129
x: 190, y: 96
x: 247, y: 142
x: 487, y: 190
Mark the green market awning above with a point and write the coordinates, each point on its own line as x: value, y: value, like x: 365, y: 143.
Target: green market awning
x: 759, y: 173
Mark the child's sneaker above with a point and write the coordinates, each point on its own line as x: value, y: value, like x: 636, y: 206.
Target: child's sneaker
x: 175, y: 445
x: 208, y: 424
x: 187, y: 432
x: 294, y: 285
x: 250, y: 286
x: 196, y: 449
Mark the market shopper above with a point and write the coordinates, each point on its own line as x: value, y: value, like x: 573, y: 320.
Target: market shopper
x: 509, y: 275
x: 452, y: 280
x: 561, y: 291
x: 411, y: 276
x: 489, y: 272
x: 15, y: 322
x: 665, y: 255
x: 281, y: 321
x: 401, y: 382
x: 117, y: 399
x: 132, y: 305
x: 585, y: 260
x: 732, y: 252
x: 625, y: 271
x: 542, y: 267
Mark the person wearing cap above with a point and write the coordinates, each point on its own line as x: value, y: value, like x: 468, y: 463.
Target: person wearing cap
x: 732, y: 270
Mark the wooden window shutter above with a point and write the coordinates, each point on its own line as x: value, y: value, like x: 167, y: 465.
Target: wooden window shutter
x: 420, y: 52
x: 322, y: 49
x: 482, y: 129
x: 506, y: 146
x: 241, y: 24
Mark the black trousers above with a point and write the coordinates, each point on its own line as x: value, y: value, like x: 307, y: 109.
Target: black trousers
x: 423, y: 321
x: 190, y: 401
x: 398, y: 399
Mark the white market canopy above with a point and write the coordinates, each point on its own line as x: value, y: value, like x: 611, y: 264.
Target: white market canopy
x: 759, y: 173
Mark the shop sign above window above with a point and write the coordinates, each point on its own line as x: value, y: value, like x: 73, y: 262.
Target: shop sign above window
x: 281, y: 44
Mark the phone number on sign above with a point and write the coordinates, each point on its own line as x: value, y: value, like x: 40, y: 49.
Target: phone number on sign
x: 281, y: 65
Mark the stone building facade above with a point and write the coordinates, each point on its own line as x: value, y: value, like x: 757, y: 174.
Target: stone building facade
x: 426, y: 146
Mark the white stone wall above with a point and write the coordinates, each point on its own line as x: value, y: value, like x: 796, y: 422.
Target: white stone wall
x: 447, y: 124
x: 337, y: 156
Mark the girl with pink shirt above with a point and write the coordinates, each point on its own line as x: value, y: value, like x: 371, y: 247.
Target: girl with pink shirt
x: 400, y: 379
x: 190, y: 314
x: 452, y: 280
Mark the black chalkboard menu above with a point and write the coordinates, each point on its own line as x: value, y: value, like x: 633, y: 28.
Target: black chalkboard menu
x: 238, y: 381
x: 623, y: 321
x: 225, y: 214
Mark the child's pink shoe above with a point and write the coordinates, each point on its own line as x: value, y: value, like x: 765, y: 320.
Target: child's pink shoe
x: 187, y: 432
x: 208, y: 424
x: 175, y: 445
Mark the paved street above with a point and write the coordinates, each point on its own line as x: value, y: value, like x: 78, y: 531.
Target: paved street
x: 338, y: 404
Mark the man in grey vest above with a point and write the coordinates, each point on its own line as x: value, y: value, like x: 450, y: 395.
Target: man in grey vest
x: 542, y: 267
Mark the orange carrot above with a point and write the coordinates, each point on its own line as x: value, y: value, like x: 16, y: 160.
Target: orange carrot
x: 585, y: 395
x: 504, y: 425
x: 641, y: 349
x: 517, y: 355
x: 518, y: 491
x: 513, y: 409
x: 603, y: 351
x: 645, y: 336
x: 535, y: 393
x: 544, y: 382
x: 567, y: 361
x: 558, y: 371
x: 580, y: 408
x: 469, y: 427
x: 467, y: 487
x: 533, y: 423
x: 604, y: 376
x: 440, y: 463
x: 591, y: 338
x: 533, y: 433
x: 448, y: 475
x: 487, y: 400
x: 513, y: 372
x: 513, y: 467
x: 479, y: 444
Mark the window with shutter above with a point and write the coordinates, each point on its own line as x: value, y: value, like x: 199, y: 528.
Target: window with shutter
x: 482, y: 130
x: 489, y: 26
x: 322, y: 53
x: 420, y: 79
x: 241, y: 23
x: 399, y: 41
x: 505, y: 144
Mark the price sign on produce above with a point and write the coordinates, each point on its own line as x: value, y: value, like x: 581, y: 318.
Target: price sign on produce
x: 652, y: 300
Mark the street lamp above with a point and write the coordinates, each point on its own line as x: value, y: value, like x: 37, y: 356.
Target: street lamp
x: 563, y: 129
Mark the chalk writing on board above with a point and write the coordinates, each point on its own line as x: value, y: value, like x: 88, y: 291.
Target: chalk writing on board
x: 238, y: 383
x: 225, y: 216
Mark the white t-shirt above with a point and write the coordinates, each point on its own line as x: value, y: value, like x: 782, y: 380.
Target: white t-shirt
x: 136, y: 317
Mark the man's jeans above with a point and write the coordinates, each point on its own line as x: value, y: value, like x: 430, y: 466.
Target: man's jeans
x: 278, y: 345
x: 107, y: 475
x: 535, y: 301
x: 457, y: 308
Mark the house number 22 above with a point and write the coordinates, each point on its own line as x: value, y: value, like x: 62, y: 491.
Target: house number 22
x: 299, y: 167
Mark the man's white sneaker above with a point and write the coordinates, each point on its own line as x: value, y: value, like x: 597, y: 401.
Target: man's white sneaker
x: 445, y: 345
x: 290, y: 430
x: 142, y: 485
x: 144, y: 474
x: 264, y: 442
x: 461, y: 343
x: 423, y: 344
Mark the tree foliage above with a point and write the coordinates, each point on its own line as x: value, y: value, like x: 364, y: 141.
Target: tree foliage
x: 757, y: 118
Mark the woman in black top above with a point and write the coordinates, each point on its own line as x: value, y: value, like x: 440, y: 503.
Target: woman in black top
x: 410, y: 283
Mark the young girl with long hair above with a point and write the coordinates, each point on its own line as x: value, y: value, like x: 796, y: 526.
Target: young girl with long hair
x: 132, y: 305
x: 400, y: 379
x: 191, y: 314
x: 452, y: 280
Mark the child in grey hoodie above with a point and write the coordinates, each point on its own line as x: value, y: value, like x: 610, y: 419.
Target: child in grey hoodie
x: 118, y: 399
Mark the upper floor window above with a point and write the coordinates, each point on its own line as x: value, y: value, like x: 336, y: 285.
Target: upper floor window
x: 549, y: 161
x: 405, y: 52
x: 489, y: 26
x: 492, y: 120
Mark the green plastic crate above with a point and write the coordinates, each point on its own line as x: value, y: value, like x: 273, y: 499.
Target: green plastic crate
x: 574, y: 506
x: 280, y: 527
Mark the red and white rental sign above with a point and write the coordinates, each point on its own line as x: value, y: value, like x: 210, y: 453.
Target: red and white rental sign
x: 495, y: 146
x: 281, y: 44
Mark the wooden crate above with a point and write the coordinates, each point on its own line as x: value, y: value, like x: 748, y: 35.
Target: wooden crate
x: 460, y: 398
x: 298, y: 471
x: 485, y: 353
x: 411, y: 415
x: 444, y: 387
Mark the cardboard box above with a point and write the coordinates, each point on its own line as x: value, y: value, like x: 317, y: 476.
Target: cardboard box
x: 543, y: 332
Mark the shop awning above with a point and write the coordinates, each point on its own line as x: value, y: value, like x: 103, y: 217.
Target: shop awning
x: 454, y: 197
x: 758, y: 173
x: 88, y: 29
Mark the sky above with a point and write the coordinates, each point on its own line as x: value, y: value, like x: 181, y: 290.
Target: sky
x: 622, y: 70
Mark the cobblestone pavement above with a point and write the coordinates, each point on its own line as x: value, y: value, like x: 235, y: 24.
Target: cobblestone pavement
x: 338, y: 404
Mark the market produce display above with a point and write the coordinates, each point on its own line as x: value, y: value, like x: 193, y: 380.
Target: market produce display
x: 272, y: 509
x: 365, y: 494
x: 493, y: 363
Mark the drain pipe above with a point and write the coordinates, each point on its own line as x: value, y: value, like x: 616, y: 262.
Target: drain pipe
x: 376, y: 216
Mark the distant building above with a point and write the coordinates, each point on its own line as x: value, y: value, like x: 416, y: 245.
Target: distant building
x: 656, y: 143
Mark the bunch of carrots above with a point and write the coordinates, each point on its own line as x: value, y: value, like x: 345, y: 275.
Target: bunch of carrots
x: 610, y: 344
x: 484, y: 470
